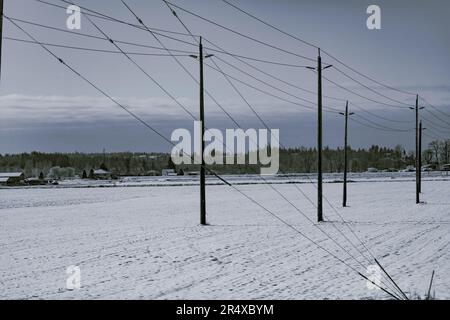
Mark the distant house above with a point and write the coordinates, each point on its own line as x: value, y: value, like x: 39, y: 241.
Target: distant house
x: 101, y: 174
x: 168, y: 172
x: 445, y: 167
x: 11, y: 178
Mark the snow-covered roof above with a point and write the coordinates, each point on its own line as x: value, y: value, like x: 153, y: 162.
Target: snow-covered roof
x: 3, y: 179
x: 10, y: 174
x: 101, y: 171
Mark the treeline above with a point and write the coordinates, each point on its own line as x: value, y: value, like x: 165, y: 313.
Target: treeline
x: 123, y: 163
x: 291, y: 160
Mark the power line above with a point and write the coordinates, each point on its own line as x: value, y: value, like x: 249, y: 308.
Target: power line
x: 263, y: 91
x: 126, y: 109
x: 271, y: 75
x: 440, y: 135
x: 109, y: 18
x: 169, y: 141
x: 370, y: 89
x: 234, y: 121
x: 99, y: 38
x: 314, y: 46
x: 439, y: 118
x: 365, y: 76
x: 239, y: 33
x: 270, y: 25
x: 103, y: 16
x: 254, y: 111
x: 378, y: 116
x: 340, y: 231
x: 435, y: 108
x: 337, y: 229
x: 92, y: 49
x: 383, y: 126
x: 262, y: 121
x: 265, y: 124
x: 159, y: 48
x: 180, y: 64
x: 266, y: 83
x: 297, y: 87
x: 281, y: 90
x: 124, y: 42
x: 259, y: 41
x: 436, y: 125
x: 431, y: 136
x: 364, y: 97
x: 135, y: 116
x: 376, y: 127
x: 257, y: 59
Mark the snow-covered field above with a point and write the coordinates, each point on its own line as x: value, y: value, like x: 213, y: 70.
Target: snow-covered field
x: 146, y: 243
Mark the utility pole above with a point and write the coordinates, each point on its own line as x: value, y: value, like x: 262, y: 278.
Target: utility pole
x: 418, y: 168
x: 319, y: 139
x: 202, y: 144
x: 346, y: 114
x: 200, y: 58
x: 417, y: 151
x: 319, y: 135
x: 420, y: 156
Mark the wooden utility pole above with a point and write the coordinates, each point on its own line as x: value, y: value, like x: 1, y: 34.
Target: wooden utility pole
x: 319, y: 135
x: 319, y: 139
x: 420, y: 156
x: 200, y: 58
x: 202, y: 143
x: 346, y: 114
x: 417, y: 151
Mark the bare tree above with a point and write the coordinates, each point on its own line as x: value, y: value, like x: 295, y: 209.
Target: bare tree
x: 435, y: 147
x: 427, y: 156
x: 445, y: 151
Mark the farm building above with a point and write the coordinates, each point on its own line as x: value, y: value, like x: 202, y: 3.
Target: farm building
x: 36, y: 181
x: 11, y: 178
x: 100, y: 174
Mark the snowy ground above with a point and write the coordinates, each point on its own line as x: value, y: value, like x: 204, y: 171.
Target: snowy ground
x: 161, y: 181
x: 145, y: 242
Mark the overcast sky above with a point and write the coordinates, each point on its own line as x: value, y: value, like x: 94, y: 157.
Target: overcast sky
x: 45, y: 107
